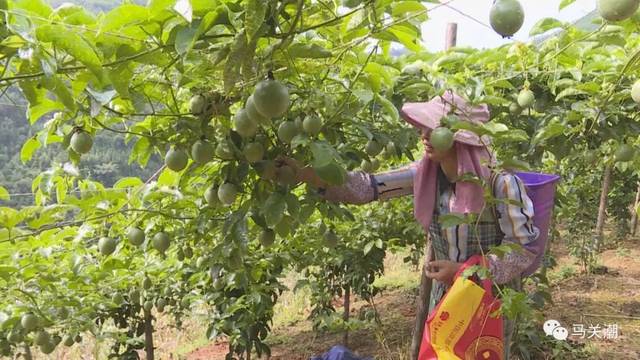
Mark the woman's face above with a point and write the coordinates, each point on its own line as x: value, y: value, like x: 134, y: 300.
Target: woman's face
x: 432, y: 153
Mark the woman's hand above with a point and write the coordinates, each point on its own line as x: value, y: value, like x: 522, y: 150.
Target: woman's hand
x: 443, y: 270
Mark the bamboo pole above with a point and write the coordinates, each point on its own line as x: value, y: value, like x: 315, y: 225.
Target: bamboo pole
x: 602, y: 209
x: 424, y: 295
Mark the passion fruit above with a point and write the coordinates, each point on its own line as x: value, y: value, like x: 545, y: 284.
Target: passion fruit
x: 271, y: 98
x: 624, y: 153
x: 254, y: 114
x: 107, y: 245
x: 136, y: 236
x: 287, y: 131
x: 202, y: 152
x: 81, y: 142
x: 211, y: 196
x: 506, y: 17
x: 227, y: 193
x: 441, y: 139
x: 197, y: 104
x: 161, y: 241
x: 253, y: 152
x: 526, y: 98
x: 373, y: 148
x: 176, y: 159
x: 312, y: 125
x: 617, y: 10
x: 244, y: 125
x: 267, y: 238
x: 635, y: 92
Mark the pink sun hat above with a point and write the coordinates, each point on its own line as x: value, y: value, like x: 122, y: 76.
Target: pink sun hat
x: 427, y: 115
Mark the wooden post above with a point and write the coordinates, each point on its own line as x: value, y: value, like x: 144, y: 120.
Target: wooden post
x: 634, y: 214
x: 424, y: 295
x: 606, y: 183
x: 452, y: 36
x: 148, y: 335
x: 346, y: 313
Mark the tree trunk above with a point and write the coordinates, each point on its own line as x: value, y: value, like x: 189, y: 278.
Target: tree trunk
x: 606, y: 183
x: 27, y: 353
x: 424, y: 298
x: 148, y: 335
x: 345, y: 315
x: 634, y: 214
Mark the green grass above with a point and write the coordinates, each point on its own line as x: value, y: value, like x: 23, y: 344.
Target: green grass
x: 398, y: 274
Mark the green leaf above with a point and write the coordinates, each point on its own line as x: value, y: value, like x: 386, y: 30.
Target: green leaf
x: 124, y: 15
x: 545, y: 25
x: 367, y: 248
x: 323, y: 153
x: 127, y: 182
x: 4, y: 194
x: 72, y: 43
x: 56, y: 86
x: 570, y: 92
x: 231, y: 71
x: 255, y: 10
x: 29, y: 147
x: 157, y: 7
x: 309, y: 51
x: 184, y: 9
x: 403, y: 8
x: 389, y: 108
x: 186, y: 38
x: 565, y: 3
x: 38, y: 7
x: 452, y: 219
x: 273, y: 209
x: 34, y: 113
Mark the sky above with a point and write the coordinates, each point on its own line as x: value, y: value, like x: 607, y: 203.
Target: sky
x: 470, y: 33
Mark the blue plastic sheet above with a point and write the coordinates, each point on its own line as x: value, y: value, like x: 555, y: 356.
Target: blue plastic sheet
x: 339, y: 352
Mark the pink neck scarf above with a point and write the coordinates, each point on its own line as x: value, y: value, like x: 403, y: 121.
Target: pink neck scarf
x: 469, y: 195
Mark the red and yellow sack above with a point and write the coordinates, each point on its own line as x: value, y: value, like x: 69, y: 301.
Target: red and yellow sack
x: 464, y: 325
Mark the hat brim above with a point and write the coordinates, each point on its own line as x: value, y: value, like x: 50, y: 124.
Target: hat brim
x: 423, y: 116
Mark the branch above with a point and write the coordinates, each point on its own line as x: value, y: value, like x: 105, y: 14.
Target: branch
x: 82, y: 67
x: 122, y: 131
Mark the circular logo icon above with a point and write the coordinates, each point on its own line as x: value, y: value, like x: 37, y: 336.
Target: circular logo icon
x: 444, y: 316
x: 485, y: 348
x: 549, y: 325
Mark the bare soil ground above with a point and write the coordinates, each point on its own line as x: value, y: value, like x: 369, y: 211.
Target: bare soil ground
x: 612, y: 297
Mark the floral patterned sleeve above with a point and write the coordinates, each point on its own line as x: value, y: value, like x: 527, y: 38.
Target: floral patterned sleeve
x: 516, y: 222
x: 361, y: 188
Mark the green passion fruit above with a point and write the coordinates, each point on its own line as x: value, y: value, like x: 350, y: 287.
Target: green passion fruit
x: 176, y: 159
x: 29, y: 321
x: 253, y: 152
x: 506, y: 17
x: 441, y: 139
x: 245, y: 126
x: 287, y: 131
x: 635, y: 92
x: 254, y: 114
x: 617, y: 10
x: 624, y: 153
x: 227, y: 193
x: 211, y: 196
x: 271, y: 98
x: 526, y: 98
x: 197, y: 104
x: 107, y: 245
x: 312, y: 125
x: 373, y: 148
x: 136, y: 236
x: 202, y: 151
x: 267, y: 237
x: 161, y: 241
x: 81, y: 142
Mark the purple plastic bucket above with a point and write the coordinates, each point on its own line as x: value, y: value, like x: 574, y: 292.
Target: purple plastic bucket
x: 541, y: 189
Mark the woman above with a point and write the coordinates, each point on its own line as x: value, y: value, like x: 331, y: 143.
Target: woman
x: 438, y: 190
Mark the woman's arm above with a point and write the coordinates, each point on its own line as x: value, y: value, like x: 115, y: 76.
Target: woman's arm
x: 361, y: 187
x: 516, y: 222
